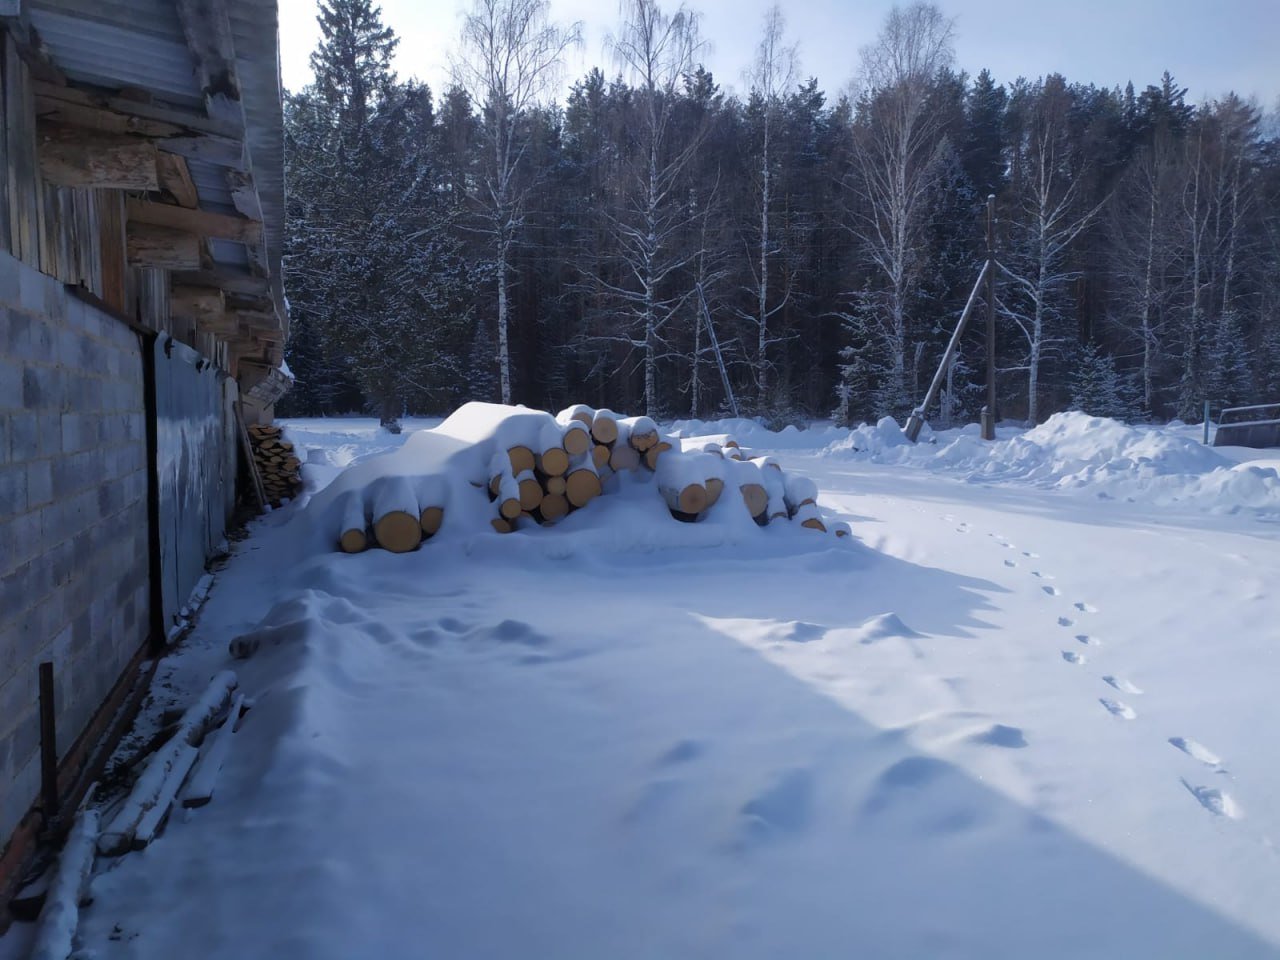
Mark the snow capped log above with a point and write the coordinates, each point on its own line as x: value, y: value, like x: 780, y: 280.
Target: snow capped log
x: 682, y: 479
x: 508, y: 494
x: 746, y: 476
x: 769, y: 462
x: 714, y: 448
x: 842, y: 530
x: 642, y: 432
x: 521, y: 458
x: 579, y: 412
x: 577, y: 438
x: 431, y: 518
x: 155, y: 816
x: 582, y: 485
x: 810, y: 518
x: 204, y: 778
x: 397, y: 519
x: 530, y: 491
x: 353, y: 534
x: 652, y: 455
x: 799, y: 491
x: 604, y: 426
x: 553, y: 460
x: 624, y: 457
x: 715, y: 487
x: 55, y: 935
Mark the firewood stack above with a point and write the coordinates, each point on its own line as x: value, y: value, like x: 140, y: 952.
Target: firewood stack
x: 277, y: 465
x: 535, y: 469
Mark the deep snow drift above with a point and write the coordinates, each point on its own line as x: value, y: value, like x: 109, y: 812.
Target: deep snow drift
x: 1014, y: 720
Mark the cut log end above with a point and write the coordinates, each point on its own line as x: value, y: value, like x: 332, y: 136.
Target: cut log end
x: 510, y: 509
x: 813, y: 523
x: 521, y: 458
x: 577, y: 442
x: 756, y: 498
x: 653, y: 453
x: 555, y: 485
x: 353, y: 541
x: 530, y: 494
x: 581, y: 487
x: 600, y: 455
x: 553, y: 507
x: 692, y: 499
x: 604, y: 429
x: 432, y: 517
x: 398, y: 531
x: 554, y: 462
x: 501, y: 525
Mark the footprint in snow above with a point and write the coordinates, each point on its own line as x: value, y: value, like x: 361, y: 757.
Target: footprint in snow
x: 1118, y: 709
x: 1001, y: 735
x: 1052, y: 591
x: 1011, y: 563
x: 1072, y: 657
x: 1043, y: 576
x: 1030, y: 555
x: 1066, y: 622
x: 1123, y: 685
x: 1215, y: 801
x: 1196, y: 750
x: 963, y: 528
x: 1085, y: 607
x: 1087, y: 640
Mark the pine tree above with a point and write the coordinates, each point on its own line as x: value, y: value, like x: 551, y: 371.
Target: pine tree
x: 1098, y: 389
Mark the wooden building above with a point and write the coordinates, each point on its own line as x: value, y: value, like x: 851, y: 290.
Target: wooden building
x: 141, y: 307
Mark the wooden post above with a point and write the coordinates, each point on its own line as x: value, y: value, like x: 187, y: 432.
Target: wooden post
x: 989, y: 411
x: 48, y: 747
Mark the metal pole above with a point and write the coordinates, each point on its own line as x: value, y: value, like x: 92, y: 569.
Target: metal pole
x: 48, y: 747
x: 916, y: 420
x: 1206, y: 423
x: 989, y: 411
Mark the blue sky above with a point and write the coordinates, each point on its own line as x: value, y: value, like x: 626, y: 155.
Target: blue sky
x: 1210, y: 46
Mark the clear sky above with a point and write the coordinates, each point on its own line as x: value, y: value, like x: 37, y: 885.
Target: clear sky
x: 1210, y: 46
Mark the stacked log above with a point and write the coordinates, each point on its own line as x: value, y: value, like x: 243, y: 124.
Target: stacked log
x: 537, y: 469
x: 277, y: 464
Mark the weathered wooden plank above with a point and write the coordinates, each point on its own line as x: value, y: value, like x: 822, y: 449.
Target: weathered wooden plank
x: 149, y: 245
x: 202, y: 222
x: 175, y: 177
x: 71, y: 157
x: 20, y: 147
x: 232, y: 282
x: 185, y: 120
x: 113, y: 248
x: 197, y: 302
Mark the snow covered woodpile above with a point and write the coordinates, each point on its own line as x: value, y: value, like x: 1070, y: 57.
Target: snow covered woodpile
x: 277, y: 464
x: 500, y: 468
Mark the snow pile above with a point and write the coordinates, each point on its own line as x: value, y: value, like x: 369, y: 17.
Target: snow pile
x: 1074, y: 451
x: 752, y: 433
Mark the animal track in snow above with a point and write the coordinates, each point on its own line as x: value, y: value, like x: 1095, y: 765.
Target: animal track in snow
x: 1072, y: 657
x: 1196, y: 750
x: 1066, y: 622
x: 1043, y: 576
x: 1123, y: 685
x: 963, y: 528
x: 1011, y: 563
x: 1118, y: 709
x: 1002, y: 735
x: 1215, y: 801
x: 1085, y: 607
x: 1052, y: 591
x: 1087, y: 640
x: 1030, y: 555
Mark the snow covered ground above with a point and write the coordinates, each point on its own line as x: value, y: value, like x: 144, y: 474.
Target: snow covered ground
x: 1029, y: 713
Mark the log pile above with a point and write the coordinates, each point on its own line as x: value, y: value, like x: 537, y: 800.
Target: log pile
x: 535, y: 469
x: 278, y: 465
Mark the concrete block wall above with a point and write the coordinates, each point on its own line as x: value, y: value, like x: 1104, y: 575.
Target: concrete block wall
x: 74, y: 583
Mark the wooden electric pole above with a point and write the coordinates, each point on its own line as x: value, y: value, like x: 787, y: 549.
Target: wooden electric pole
x: 989, y: 411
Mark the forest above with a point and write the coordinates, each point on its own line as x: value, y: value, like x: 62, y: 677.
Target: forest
x: 647, y: 240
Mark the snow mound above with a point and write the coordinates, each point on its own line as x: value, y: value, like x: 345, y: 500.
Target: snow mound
x: 1075, y: 451
x: 754, y: 434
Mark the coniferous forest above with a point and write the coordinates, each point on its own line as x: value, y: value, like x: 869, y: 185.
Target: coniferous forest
x: 503, y: 240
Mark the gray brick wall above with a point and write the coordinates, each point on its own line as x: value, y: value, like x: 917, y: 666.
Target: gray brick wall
x: 73, y: 516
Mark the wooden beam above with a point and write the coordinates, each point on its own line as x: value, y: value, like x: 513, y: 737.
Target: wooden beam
x: 175, y: 178
x: 70, y: 157
x: 197, y: 302
x: 90, y: 117
x: 232, y: 282
x: 190, y: 121
x: 156, y: 246
x: 220, y: 226
x: 219, y: 151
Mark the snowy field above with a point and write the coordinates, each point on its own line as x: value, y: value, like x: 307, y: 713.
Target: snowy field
x: 1029, y: 711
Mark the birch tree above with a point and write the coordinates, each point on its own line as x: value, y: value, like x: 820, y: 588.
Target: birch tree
x: 897, y: 165
x: 657, y: 50
x: 1048, y: 218
x: 511, y: 57
x: 771, y: 78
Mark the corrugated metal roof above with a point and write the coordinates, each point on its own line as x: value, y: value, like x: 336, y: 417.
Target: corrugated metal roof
x: 114, y: 56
